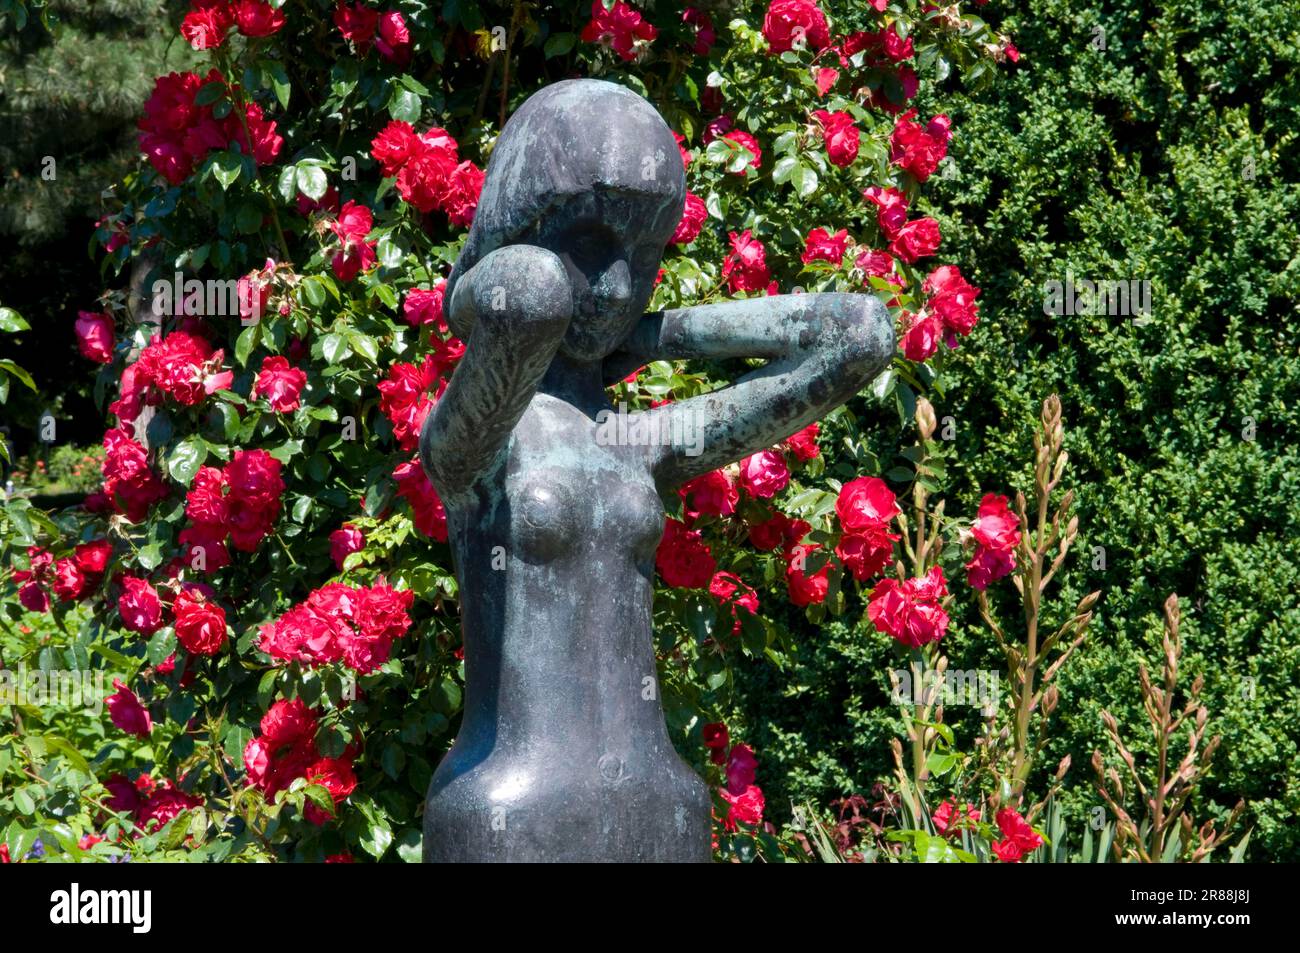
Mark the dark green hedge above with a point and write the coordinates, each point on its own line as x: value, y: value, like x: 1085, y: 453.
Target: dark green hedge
x: 1171, y: 156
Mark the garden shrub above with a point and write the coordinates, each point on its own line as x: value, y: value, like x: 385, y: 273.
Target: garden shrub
x: 1167, y: 157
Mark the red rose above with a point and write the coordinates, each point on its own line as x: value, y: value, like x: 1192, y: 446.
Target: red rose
x: 357, y: 24
x: 288, y: 723
x: 394, y: 146
x: 764, y: 474
x: 128, y: 481
x: 952, y: 298
x: 335, y: 775
x: 95, y: 336
x: 826, y: 77
x: 394, y: 40
x: 732, y: 592
x: 254, y: 477
x: 745, y: 807
x: 163, y: 805
x: 948, y: 816
x: 716, y: 739
x: 70, y: 583
x: 426, y: 506
x: 745, y: 266
x: 620, y: 28
x: 422, y: 180
x: 256, y: 17
x: 713, y: 493
x: 683, y: 559
x: 790, y: 22
x: 917, y: 239
x: 405, y: 400
x: 821, y: 245
x: 878, y: 264
x: 693, y: 217
x: 865, y: 503
x: 803, y: 589
x: 841, y: 136
x: 705, y: 35
x: 93, y: 557
x: 1018, y: 838
x: 997, y: 534
x: 206, y: 24
x: 867, y: 553
x: 911, y: 611
x: 463, y: 190
x: 200, y: 625
x: 280, y: 384
x: 891, y: 208
x: 804, y: 443
x: 128, y: 712
x: 354, y: 254
x: 424, y: 306
x: 780, y: 531
x: 919, y: 150
x: 919, y: 334
x: 746, y: 141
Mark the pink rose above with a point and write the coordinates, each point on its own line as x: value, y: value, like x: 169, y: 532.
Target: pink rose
x: 139, y: 606
x: 345, y: 541
x: 764, y: 474
x: 128, y: 712
x: 95, y: 336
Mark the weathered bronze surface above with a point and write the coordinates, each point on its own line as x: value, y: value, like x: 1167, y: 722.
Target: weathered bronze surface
x: 563, y: 754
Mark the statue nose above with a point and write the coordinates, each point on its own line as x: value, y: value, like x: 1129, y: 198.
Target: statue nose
x: 616, y: 282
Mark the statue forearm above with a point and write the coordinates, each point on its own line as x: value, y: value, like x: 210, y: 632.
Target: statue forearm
x: 822, y: 349
x: 516, y: 304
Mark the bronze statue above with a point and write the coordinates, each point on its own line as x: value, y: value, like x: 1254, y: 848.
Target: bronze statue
x: 563, y: 754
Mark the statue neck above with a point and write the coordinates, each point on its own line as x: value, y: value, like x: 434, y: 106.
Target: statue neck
x: 576, y: 383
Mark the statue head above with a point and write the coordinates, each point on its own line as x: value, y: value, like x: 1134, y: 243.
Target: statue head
x: 589, y: 170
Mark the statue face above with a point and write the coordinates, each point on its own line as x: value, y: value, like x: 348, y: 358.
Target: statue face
x: 611, y: 243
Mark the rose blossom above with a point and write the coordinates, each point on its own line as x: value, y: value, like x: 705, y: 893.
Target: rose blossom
x: 683, y: 560
x: 200, y: 625
x: 789, y: 21
x: 911, y: 611
x: 128, y: 712
x: 345, y: 541
x: 280, y: 384
x: 764, y: 474
x: 95, y: 336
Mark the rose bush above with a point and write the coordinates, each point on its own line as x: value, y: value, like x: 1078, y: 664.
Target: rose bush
x: 264, y: 566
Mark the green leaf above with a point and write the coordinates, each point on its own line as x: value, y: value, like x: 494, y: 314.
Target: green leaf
x: 404, y: 105
x: 287, y: 184
x: 279, y: 83
x: 312, y: 181
x: 186, y: 458
x: 12, y: 321
x: 245, y: 343
x: 334, y: 348
x: 226, y: 167
x: 410, y: 846
x: 558, y: 44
